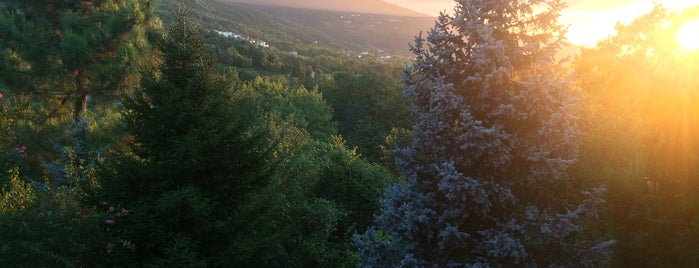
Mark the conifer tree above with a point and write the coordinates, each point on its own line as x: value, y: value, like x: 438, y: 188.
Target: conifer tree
x: 64, y: 50
x: 198, y: 155
x: 496, y: 129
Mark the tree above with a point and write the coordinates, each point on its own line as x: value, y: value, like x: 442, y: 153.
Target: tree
x: 65, y: 50
x: 326, y: 192
x: 49, y: 227
x: 60, y: 54
x: 198, y: 157
x: 641, y: 85
x: 486, y: 181
x: 367, y: 107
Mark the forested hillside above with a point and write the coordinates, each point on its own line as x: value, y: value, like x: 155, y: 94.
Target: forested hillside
x: 287, y: 28
x: 154, y: 134
x: 357, y: 31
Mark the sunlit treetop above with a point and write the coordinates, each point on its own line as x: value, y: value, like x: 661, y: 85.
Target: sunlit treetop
x: 647, y: 73
x: 657, y: 34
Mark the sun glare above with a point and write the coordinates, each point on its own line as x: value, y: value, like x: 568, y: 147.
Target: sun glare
x: 687, y: 35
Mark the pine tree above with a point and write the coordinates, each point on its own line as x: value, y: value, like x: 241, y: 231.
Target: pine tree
x: 198, y: 156
x: 63, y: 51
x: 496, y: 130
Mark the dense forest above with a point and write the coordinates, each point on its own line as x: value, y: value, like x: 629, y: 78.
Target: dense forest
x: 144, y: 134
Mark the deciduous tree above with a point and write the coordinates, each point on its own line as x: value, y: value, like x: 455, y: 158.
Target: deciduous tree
x: 641, y: 142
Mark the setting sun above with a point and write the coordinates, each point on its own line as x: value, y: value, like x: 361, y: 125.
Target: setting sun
x: 687, y: 36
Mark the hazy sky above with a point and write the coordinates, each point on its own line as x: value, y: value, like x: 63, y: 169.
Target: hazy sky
x: 589, y: 20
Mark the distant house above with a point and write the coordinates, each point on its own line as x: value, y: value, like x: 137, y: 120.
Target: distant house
x: 261, y: 43
x: 258, y: 43
x: 229, y: 34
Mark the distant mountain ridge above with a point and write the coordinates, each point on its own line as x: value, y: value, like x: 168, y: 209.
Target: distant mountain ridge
x: 361, y: 6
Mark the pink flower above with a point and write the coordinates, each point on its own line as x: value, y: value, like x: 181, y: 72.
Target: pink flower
x: 10, y: 120
x: 21, y: 149
x: 111, y: 209
x: 109, y: 221
x: 124, y: 211
x: 0, y: 95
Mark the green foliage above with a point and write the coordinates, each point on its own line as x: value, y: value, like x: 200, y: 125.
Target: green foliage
x: 180, y: 252
x: 324, y: 194
x: 16, y: 194
x: 76, y: 166
x: 62, y: 52
x: 198, y: 155
x: 190, y: 158
x: 44, y: 223
x: 64, y: 59
x: 367, y: 107
x: 306, y: 109
x: 397, y: 138
x: 48, y: 228
x: 8, y: 135
x: 353, y: 184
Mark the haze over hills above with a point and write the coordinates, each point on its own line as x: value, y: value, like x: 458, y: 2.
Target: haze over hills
x: 287, y: 28
x: 361, y: 6
x: 353, y: 30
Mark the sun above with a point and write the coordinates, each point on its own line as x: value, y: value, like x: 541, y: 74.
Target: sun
x: 687, y: 35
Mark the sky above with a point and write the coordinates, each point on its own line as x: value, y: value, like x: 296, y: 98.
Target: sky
x: 589, y: 20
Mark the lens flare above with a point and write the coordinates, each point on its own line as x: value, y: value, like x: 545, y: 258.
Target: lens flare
x: 687, y: 35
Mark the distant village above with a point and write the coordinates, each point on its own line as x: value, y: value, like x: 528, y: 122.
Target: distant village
x: 258, y: 43
x: 379, y: 54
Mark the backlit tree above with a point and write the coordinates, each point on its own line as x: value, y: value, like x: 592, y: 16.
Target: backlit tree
x: 486, y: 181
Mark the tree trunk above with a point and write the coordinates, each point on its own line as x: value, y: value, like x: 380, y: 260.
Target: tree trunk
x: 80, y: 101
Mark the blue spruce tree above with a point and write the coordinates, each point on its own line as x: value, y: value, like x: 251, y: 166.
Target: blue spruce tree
x: 496, y: 129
